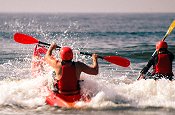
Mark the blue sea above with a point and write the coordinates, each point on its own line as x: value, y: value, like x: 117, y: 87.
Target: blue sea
x: 115, y: 89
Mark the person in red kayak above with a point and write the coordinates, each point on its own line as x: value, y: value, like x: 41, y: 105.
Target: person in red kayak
x: 67, y: 71
x: 161, y: 62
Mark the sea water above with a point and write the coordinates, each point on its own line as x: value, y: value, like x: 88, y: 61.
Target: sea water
x: 114, y: 90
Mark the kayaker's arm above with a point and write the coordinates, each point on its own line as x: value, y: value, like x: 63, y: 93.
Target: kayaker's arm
x: 171, y: 56
x: 92, y: 69
x: 147, y: 67
x: 48, y: 57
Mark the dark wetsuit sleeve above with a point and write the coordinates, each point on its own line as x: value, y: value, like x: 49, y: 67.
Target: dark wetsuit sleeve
x: 171, y: 56
x: 149, y: 64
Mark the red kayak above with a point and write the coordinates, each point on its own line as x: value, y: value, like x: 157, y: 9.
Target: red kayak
x: 68, y: 101
x: 54, y: 99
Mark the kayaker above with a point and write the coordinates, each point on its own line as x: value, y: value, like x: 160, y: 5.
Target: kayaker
x: 67, y: 71
x: 161, y: 62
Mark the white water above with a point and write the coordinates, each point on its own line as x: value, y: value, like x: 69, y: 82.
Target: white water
x: 141, y: 93
x: 112, y: 88
x: 107, y: 92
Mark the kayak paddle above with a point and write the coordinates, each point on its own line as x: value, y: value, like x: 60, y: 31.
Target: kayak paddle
x: 26, y: 39
x: 170, y: 29
x: 113, y: 59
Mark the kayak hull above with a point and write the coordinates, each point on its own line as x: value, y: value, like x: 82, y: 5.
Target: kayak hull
x: 68, y: 101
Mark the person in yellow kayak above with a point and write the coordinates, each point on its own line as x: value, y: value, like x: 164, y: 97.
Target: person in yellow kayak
x: 161, y: 62
x: 67, y: 71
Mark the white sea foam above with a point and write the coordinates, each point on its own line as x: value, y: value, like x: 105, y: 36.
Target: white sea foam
x: 111, y: 88
x: 141, y: 93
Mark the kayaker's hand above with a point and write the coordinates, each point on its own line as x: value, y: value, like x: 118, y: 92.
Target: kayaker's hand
x: 53, y: 45
x: 144, y: 70
x: 94, y: 57
x: 141, y: 76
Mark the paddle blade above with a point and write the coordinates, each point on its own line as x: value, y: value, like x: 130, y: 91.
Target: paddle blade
x: 24, y: 39
x: 117, y: 60
x: 170, y: 29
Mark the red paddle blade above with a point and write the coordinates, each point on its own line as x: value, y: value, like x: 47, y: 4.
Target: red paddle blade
x: 24, y: 39
x: 117, y: 60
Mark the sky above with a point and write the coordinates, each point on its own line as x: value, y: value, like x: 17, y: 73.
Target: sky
x: 87, y: 6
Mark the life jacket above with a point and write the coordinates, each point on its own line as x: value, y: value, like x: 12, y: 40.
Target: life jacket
x: 164, y: 65
x: 68, y: 83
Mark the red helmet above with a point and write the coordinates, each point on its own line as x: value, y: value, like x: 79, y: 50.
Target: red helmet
x: 161, y: 44
x: 66, y: 53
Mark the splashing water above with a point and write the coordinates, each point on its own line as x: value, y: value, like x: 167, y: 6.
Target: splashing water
x: 114, y: 88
